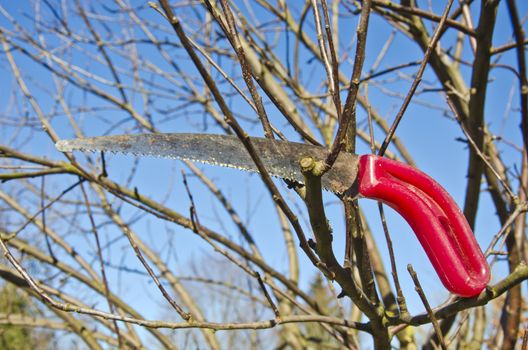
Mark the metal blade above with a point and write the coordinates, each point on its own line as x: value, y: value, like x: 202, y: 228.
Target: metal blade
x: 280, y: 158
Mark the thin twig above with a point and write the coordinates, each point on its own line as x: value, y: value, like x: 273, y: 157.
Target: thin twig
x: 330, y: 65
x: 517, y: 276
x: 101, y: 262
x: 349, y: 109
x: 506, y: 47
x: 511, y: 195
x: 521, y: 61
x: 402, y: 304
x: 43, y: 220
x: 417, y: 79
x: 394, y: 272
x: 392, y: 5
x: 101, y: 47
x: 15, y: 233
x: 335, y: 62
x: 247, y: 74
x: 239, y: 131
x: 420, y: 292
x: 267, y: 295
x: 322, y: 46
x: 173, y: 325
x: 505, y: 229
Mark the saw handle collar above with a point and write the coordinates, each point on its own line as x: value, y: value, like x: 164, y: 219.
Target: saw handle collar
x: 437, y: 221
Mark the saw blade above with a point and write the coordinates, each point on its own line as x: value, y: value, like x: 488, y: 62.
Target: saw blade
x: 280, y: 158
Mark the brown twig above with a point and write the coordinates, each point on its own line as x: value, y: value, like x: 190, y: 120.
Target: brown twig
x: 518, y: 275
x: 394, y: 272
x: 183, y: 314
x: 267, y: 295
x: 349, y: 109
x: 432, y: 317
x: 45, y: 297
x: 277, y: 197
x: 247, y: 74
x: 475, y: 147
x: 43, y: 219
x: 521, y: 62
x: 402, y: 304
x: 506, y: 47
x: 418, y: 78
x: 273, y: 90
x: 506, y: 229
x: 423, y: 14
x: 197, y: 228
x: 101, y: 47
x: 101, y: 262
x: 68, y: 189
x: 333, y: 55
x: 323, y: 49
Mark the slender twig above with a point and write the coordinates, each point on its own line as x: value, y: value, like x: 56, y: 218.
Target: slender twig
x: 276, y: 196
x: 101, y: 262
x: 389, y: 70
x: 392, y: 5
x: 430, y: 47
x: 511, y: 195
x: 34, y: 285
x: 349, y: 109
x: 521, y: 62
x: 335, y: 62
x: 183, y: 314
x: 267, y: 295
x: 247, y: 74
x: 383, y: 53
x: 506, y: 47
x: 101, y: 47
x: 394, y: 271
x: 198, y: 230
x: 517, y: 276
x: 43, y: 219
x: 421, y: 293
x: 505, y: 229
x: 42, y: 208
x: 28, y: 175
x: 322, y: 46
x: 215, y: 64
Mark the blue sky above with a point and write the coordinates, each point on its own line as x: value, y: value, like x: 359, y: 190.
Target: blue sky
x: 430, y: 136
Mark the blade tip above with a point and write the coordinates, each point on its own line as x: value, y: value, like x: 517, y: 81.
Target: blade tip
x: 64, y: 146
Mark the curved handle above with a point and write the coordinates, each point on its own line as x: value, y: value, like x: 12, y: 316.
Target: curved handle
x: 434, y: 217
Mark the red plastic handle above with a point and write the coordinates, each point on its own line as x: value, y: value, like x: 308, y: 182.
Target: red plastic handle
x: 434, y: 217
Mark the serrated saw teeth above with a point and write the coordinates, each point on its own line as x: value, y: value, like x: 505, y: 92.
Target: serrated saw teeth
x: 278, y: 157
